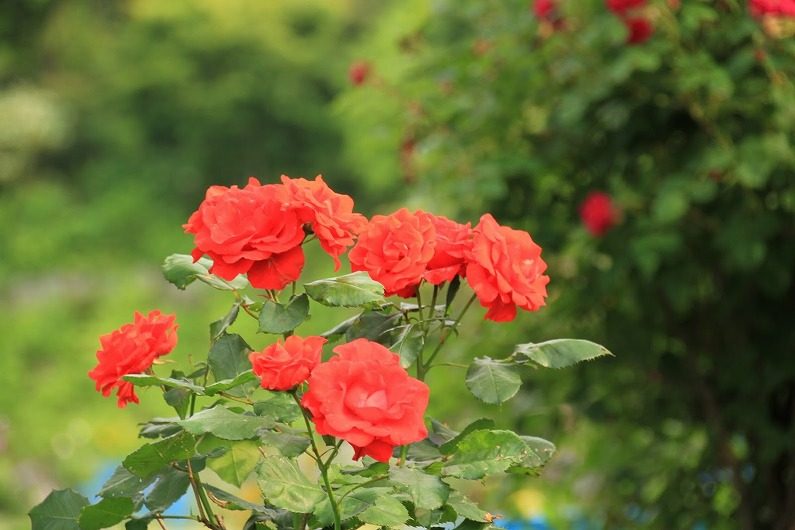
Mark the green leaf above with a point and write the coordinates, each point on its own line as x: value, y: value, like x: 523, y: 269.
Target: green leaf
x: 280, y: 406
x: 228, y: 358
x: 277, y: 318
x: 560, y: 353
x: 137, y: 524
x: 541, y: 451
x: 483, y: 453
x: 225, y: 424
x: 124, y: 484
x: 426, y: 491
x: 284, y: 486
x: 385, y: 511
x: 351, y: 290
x: 59, y: 511
x: 286, y: 443
x: 153, y: 380
x: 409, y: 344
x: 350, y: 502
x: 151, y: 458
x: 227, y: 384
x: 178, y: 399
x: 373, y: 325
x: 231, y: 502
x: 170, y: 487
x: 219, y: 327
x: 105, y: 513
x: 466, y: 508
x: 477, y: 425
x: 492, y: 381
x: 181, y: 270
x: 236, y: 463
x: 341, y: 328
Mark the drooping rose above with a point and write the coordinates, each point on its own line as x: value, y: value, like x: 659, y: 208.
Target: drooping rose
x: 358, y: 72
x: 363, y: 396
x: 622, y: 6
x: 640, y: 29
x: 282, y: 366
x: 453, y: 243
x: 251, y: 231
x: 395, y: 249
x: 132, y: 349
x: 598, y: 213
x: 505, y: 270
x: 781, y: 8
x: 330, y: 214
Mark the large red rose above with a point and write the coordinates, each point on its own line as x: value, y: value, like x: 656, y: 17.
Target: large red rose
x: 330, y: 214
x: 453, y: 243
x: 251, y: 231
x: 395, y: 249
x: 598, y: 213
x: 283, y: 366
x: 784, y: 8
x: 363, y: 396
x: 132, y: 349
x: 505, y: 270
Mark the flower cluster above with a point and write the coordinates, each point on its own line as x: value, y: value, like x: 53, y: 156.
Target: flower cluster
x: 132, y: 349
x: 258, y: 230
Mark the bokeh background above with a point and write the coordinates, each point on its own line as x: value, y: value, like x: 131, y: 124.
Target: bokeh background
x: 116, y: 115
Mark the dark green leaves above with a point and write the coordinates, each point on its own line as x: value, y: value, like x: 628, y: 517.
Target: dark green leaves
x: 492, y: 381
x: 151, y: 458
x: 283, y: 485
x: 59, y: 511
x: 560, y: 353
x: 105, y: 513
x: 225, y: 424
x: 277, y: 318
x: 228, y: 357
x: 426, y: 491
x: 351, y: 290
x: 237, y: 460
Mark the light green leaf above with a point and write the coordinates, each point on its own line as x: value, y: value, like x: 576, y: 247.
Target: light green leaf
x: 341, y: 328
x: 409, y: 344
x: 59, y: 511
x: 492, y: 381
x: 482, y: 423
x: 153, y: 380
x: 225, y: 424
x: 426, y: 491
x: 237, y: 462
x: 284, y: 486
x: 105, y: 513
x: 286, y: 443
x: 559, y: 353
x: 170, y: 487
x: 124, y: 484
x: 385, y: 511
x: 151, y: 458
x: 226, y: 384
x: 232, y: 502
x: 181, y: 270
x: 541, y: 451
x: 483, y: 453
x: 466, y: 508
x: 277, y: 318
x: 351, y: 290
x: 279, y: 406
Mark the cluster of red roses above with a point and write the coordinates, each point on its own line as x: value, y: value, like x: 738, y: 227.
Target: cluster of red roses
x: 259, y: 230
x: 639, y: 27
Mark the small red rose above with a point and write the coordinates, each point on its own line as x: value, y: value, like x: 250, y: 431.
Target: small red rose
x: 640, y: 29
x: 132, y: 349
x: 395, y: 250
x: 622, y: 6
x: 505, y: 270
x: 358, y: 72
x: 363, y: 396
x: 544, y: 9
x: 284, y: 366
x: 598, y: 213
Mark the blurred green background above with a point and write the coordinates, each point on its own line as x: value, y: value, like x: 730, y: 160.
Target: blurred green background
x: 116, y: 116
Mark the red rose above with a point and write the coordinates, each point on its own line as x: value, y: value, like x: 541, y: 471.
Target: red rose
x: 395, y: 249
x: 505, y: 270
x: 283, y: 366
x: 330, y: 214
x: 543, y: 9
x: 622, y: 6
x: 359, y: 72
x: 784, y: 8
x: 363, y: 396
x: 640, y: 29
x: 598, y: 213
x: 132, y: 349
x: 453, y: 242
x: 249, y: 231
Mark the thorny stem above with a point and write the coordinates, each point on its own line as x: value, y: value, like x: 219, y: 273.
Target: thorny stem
x: 323, y: 466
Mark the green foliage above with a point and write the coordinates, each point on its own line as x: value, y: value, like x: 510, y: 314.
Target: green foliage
x: 59, y: 511
x: 277, y: 318
x: 106, y: 513
x: 351, y: 290
x: 225, y: 424
x: 284, y: 485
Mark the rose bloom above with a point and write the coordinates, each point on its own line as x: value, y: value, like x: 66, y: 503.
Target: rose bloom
x: 132, y: 349
x: 363, y: 396
x: 453, y: 242
x: 622, y: 6
x: 329, y: 214
x: 598, y: 213
x: 249, y: 231
x: 284, y: 366
x: 784, y: 8
x: 640, y: 29
x: 395, y: 249
x: 505, y: 270
x: 358, y: 72
x: 543, y: 9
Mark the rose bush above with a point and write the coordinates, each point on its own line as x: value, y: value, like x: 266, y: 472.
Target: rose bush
x: 354, y: 413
